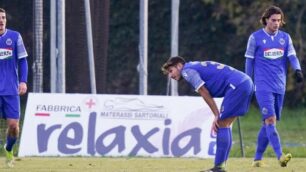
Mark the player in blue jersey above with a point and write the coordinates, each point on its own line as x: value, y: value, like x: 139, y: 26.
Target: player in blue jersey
x: 13, y: 82
x: 211, y: 79
x: 268, y: 52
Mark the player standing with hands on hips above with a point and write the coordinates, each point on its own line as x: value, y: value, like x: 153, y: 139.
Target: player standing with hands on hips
x: 268, y: 52
x: 13, y: 82
x: 211, y: 79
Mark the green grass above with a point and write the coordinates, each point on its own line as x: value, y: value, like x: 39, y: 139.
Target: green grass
x: 291, y: 128
x: 87, y: 164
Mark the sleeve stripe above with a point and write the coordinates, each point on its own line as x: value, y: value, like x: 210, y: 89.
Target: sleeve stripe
x: 22, y: 55
x: 197, y: 89
x: 291, y: 54
x: 248, y: 56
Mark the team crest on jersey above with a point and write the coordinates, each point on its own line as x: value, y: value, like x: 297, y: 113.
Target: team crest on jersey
x: 282, y: 41
x: 5, y: 53
x: 273, y: 53
x: 264, y: 41
x: 9, y: 41
x: 264, y: 111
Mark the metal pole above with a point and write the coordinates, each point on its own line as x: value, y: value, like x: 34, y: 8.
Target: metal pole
x: 90, y: 48
x: 53, y: 50
x: 240, y: 138
x: 143, y: 52
x: 38, y: 47
x: 174, y: 39
x: 61, y: 61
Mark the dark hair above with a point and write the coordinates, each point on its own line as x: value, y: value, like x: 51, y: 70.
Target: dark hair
x: 2, y: 10
x: 269, y: 12
x: 172, y: 61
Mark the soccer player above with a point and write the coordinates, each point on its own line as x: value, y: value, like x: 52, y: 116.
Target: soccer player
x: 211, y: 79
x: 268, y: 52
x: 13, y: 82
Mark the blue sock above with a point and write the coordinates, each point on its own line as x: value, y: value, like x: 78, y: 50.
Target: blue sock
x: 10, y: 141
x: 223, y: 145
x: 262, y: 143
x: 230, y: 144
x: 274, y: 139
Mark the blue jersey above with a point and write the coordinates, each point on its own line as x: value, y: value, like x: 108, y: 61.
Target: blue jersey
x: 216, y: 77
x: 11, y: 50
x: 270, y: 54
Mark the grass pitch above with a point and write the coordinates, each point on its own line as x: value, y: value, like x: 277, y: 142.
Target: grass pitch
x: 89, y: 164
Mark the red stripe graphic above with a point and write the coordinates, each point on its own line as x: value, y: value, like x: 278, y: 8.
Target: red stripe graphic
x: 42, y: 114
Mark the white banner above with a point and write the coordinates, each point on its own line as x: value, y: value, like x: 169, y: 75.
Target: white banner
x: 117, y: 125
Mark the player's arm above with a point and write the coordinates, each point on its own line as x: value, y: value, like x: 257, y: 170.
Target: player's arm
x: 294, y: 61
x: 249, y: 67
x: 249, y: 54
x: 212, y: 105
x: 193, y: 77
x: 22, y: 65
x: 209, y: 100
x: 23, y: 75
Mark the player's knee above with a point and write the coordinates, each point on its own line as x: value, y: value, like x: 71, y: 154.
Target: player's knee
x: 13, y: 130
x: 270, y: 120
x: 226, y: 123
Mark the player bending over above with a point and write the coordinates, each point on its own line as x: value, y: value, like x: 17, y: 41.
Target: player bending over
x: 211, y: 79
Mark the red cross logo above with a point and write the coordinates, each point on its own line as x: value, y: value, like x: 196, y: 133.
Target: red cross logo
x: 90, y: 103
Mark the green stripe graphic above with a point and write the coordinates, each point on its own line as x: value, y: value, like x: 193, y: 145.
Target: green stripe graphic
x: 73, y: 115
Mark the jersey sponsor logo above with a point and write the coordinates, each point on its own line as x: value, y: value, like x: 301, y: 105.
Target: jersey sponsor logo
x: 273, y: 53
x: 5, y: 53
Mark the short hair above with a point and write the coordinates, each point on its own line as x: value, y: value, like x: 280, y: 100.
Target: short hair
x: 2, y: 10
x: 269, y: 12
x: 172, y: 61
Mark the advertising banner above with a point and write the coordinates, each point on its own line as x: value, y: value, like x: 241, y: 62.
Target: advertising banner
x: 117, y: 125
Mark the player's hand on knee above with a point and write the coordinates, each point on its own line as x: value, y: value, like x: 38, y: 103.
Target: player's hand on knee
x: 215, y: 125
x: 299, y: 76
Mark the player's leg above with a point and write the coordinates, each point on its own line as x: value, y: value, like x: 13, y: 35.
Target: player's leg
x: 284, y: 158
x: 240, y: 99
x: 265, y: 102
x: 270, y: 122
x: 262, y: 138
x: 235, y: 103
x: 270, y: 105
x: 273, y: 136
x: 224, y: 143
x: 224, y: 140
x: 262, y: 143
x: 11, y: 112
x: 12, y: 133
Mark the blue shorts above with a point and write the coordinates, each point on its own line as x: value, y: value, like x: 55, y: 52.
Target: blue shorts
x: 10, y: 106
x: 237, y: 100
x: 270, y: 104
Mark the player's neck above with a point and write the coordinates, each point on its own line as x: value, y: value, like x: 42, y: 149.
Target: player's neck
x: 2, y: 31
x: 270, y: 32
